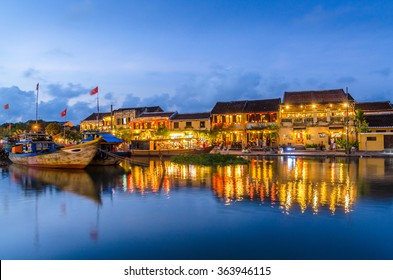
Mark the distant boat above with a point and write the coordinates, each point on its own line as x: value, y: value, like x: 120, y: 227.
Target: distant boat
x: 108, y: 152
x: 40, y: 151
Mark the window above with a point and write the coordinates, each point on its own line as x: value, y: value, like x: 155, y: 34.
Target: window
x: 188, y: 124
x: 372, y: 138
x: 124, y: 120
x: 176, y: 125
x: 202, y: 124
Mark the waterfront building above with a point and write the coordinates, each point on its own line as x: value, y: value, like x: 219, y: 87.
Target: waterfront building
x: 116, y: 120
x: 191, y: 128
x: 241, y: 123
x: 95, y: 121
x: 123, y: 116
x: 150, y: 124
x: 379, y: 117
x: 313, y: 118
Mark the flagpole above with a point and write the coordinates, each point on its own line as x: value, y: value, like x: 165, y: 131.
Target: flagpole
x: 93, y: 92
x: 98, y: 114
x: 36, y: 106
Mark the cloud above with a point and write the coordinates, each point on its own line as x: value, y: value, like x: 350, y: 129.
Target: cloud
x: 201, y: 91
x: 385, y: 72
x: 346, y: 80
x: 31, y: 73
x: 132, y: 101
x: 21, y: 104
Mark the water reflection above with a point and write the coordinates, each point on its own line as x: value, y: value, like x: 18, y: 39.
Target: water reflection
x: 35, y: 180
x: 287, y: 183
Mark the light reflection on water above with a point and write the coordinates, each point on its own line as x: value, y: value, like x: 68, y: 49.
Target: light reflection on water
x: 290, y: 183
x: 166, y: 210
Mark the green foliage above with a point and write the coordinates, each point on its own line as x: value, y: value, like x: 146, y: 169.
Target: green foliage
x: 342, y: 143
x: 162, y: 132
x: 73, y: 136
x: 53, y: 129
x: 124, y: 134
x: 360, y: 121
x: 313, y: 145
x: 209, y: 159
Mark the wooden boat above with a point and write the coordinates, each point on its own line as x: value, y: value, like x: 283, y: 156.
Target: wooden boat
x: 108, y: 152
x: 39, y: 150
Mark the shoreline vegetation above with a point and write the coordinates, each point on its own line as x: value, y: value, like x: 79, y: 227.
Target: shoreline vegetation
x: 210, y: 159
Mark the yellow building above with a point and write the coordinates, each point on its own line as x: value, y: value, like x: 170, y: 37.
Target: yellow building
x: 247, y: 122
x: 115, y: 120
x: 379, y: 117
x: 95, y: 121
x: 317, y: 118
x: 192, y: 128
x: 146, y: 125
x: 122, y: 117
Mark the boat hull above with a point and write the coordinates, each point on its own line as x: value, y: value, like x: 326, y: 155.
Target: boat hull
x: 77, y: 156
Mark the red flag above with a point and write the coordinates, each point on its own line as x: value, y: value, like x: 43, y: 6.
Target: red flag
x: 94, y: 91
x: 64, y: 113
x: 6, y: 106
x: 37, y: 87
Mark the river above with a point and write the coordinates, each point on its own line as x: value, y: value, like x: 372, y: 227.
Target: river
x: 273, y: 208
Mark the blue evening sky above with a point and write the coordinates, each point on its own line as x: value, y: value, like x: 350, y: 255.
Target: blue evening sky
x: 186, y: 55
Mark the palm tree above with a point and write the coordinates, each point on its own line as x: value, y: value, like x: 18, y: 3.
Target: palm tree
x: 361, y: 124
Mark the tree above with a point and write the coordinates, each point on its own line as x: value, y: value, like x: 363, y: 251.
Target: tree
x: 73, y: 136
x: 162, y: 132
x: 53, y: 129
x: 361, y: 124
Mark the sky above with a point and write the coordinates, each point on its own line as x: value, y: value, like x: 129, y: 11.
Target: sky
x: 186, y: 55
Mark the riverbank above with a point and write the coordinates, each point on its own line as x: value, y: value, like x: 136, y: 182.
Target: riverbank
x: 304, y: 153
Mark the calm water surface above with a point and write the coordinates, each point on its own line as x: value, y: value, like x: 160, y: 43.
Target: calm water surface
x: 273, y: 208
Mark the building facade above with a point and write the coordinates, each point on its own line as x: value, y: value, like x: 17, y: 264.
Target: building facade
x: 191, y: 130
x: 313, y: 118
x: 379, y: 119
x: 248, y: 122
x: 116, y: 120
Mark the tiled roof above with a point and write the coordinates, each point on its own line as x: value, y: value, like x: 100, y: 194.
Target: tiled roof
x: 266, y: 105
x: 156, y: 114
x: 142, y: 109
x: 316, y: 96
x: 385, y: 120
x: 374, y: 106
x: 247, y: 106
x: 93, y: 116
x: 191, y: 116
x: 231, y: 107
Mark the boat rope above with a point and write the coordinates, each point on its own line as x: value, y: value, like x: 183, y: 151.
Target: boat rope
x: 128, y: 159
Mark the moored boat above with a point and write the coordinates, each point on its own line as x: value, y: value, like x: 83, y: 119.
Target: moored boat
x: 109, y: 151
x: 41, y: 151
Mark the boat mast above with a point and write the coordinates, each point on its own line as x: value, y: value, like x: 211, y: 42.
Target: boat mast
x: 98, y: 114
x: 36, y: 108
